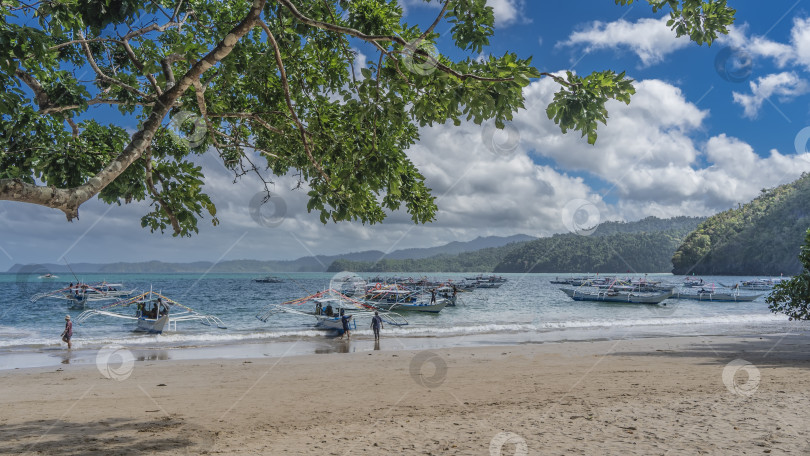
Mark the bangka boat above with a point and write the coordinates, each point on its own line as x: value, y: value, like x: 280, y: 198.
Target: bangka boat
x: 717, y: 297
x: 613, y: 296
x: 755, y: 285
x: 153, y: 313
x: 399, y: 298
x: 48, y: 276
x: 80, y: 294
x: 327, y: 308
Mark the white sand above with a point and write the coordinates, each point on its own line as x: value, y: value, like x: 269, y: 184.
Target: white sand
x: 644, y: 397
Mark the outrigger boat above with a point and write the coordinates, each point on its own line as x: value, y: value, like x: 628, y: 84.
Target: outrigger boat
x: 398, y: 298
x: 704, y: 295
x: 329, y: 305
x: 80, y: 294
x: 614, y: 296
x: 49, y: 276
x: 153, y: 314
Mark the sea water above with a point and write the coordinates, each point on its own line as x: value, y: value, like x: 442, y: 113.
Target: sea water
x: 525, y: 309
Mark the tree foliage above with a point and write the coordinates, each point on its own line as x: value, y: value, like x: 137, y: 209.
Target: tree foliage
x: 272, y: 87
x: 758, y: 238
x: 792, y: 297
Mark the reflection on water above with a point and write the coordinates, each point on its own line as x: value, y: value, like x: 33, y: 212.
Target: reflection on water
x: 66, y: 357
x: 376, y: 344
x: 158, y: 355
x: 337, y: 346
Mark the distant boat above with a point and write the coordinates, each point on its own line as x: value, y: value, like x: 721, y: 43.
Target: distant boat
x: 608, y: 296
x: 716, y: 297
x: 48, y: 276
x: 269, y: 279
x: 80, y: 294
x: 756, y: 284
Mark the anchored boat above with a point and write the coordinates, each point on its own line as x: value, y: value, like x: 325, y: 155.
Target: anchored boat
x: 613, y: 296
x: 153, y: 313
x: 327, y: 308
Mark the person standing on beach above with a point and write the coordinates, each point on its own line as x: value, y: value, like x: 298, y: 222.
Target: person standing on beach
x: 376, y: 324
x: 68, y: 332
x: 345, y: 320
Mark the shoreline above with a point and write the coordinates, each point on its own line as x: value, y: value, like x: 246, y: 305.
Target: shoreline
x: 640, y: 396
x: 28, y: 357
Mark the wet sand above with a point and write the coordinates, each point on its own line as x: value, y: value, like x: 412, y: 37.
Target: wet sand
x: 687, y: 395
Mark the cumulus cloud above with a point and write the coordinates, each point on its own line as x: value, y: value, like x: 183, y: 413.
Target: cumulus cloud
x: 508, y: 12
x: 650, y: 39
x: 783, y: 54
x: 647, y: 157
x: 785, y: 85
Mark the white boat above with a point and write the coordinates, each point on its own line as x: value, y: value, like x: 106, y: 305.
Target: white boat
x: 613, y: 296
x: 705, y: 295
x: 80, y: 294
x: 49, y: 276
x: 326, y: 308
x: 399, y: 298
x: 153, y: 313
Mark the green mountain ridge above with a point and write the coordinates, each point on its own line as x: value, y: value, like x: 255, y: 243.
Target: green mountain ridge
x: 645, y: 245
x: 759, y: 238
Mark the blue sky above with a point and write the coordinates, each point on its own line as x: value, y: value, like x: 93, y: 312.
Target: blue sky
x: 691, y: 143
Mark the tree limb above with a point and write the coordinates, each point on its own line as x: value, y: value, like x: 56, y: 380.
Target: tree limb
x: 375, y: 38
x: 286, y: 88
x: 69, y: 199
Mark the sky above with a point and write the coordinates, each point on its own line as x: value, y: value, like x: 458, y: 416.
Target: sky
x: 708, y: 129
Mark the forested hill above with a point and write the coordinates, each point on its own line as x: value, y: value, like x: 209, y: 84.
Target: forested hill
x: 760, y: 238
x: 644, y: 246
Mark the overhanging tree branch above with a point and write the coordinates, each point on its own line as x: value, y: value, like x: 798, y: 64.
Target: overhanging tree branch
x: 69, y: 199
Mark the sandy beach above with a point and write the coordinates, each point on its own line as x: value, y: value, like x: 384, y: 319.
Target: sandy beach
x: 688, y: 395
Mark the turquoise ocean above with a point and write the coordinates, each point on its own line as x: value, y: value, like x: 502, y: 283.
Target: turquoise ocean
x: 526, y: 309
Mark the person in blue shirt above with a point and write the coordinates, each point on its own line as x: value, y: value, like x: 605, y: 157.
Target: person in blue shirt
x: 345, y: 320
x: 376, y: 324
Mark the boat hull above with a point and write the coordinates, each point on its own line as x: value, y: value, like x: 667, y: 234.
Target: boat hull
x: 416, y: 307
x: 333, y: 324
x: 716, y: 297
x: 150, y: 325
x: 628, y: 298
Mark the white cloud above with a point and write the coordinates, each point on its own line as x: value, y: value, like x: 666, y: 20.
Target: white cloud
x: 650, y: 39
x: 783, y: 54
x: 785, y: 85
x: 647, y: 158
x: 508, y: 12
